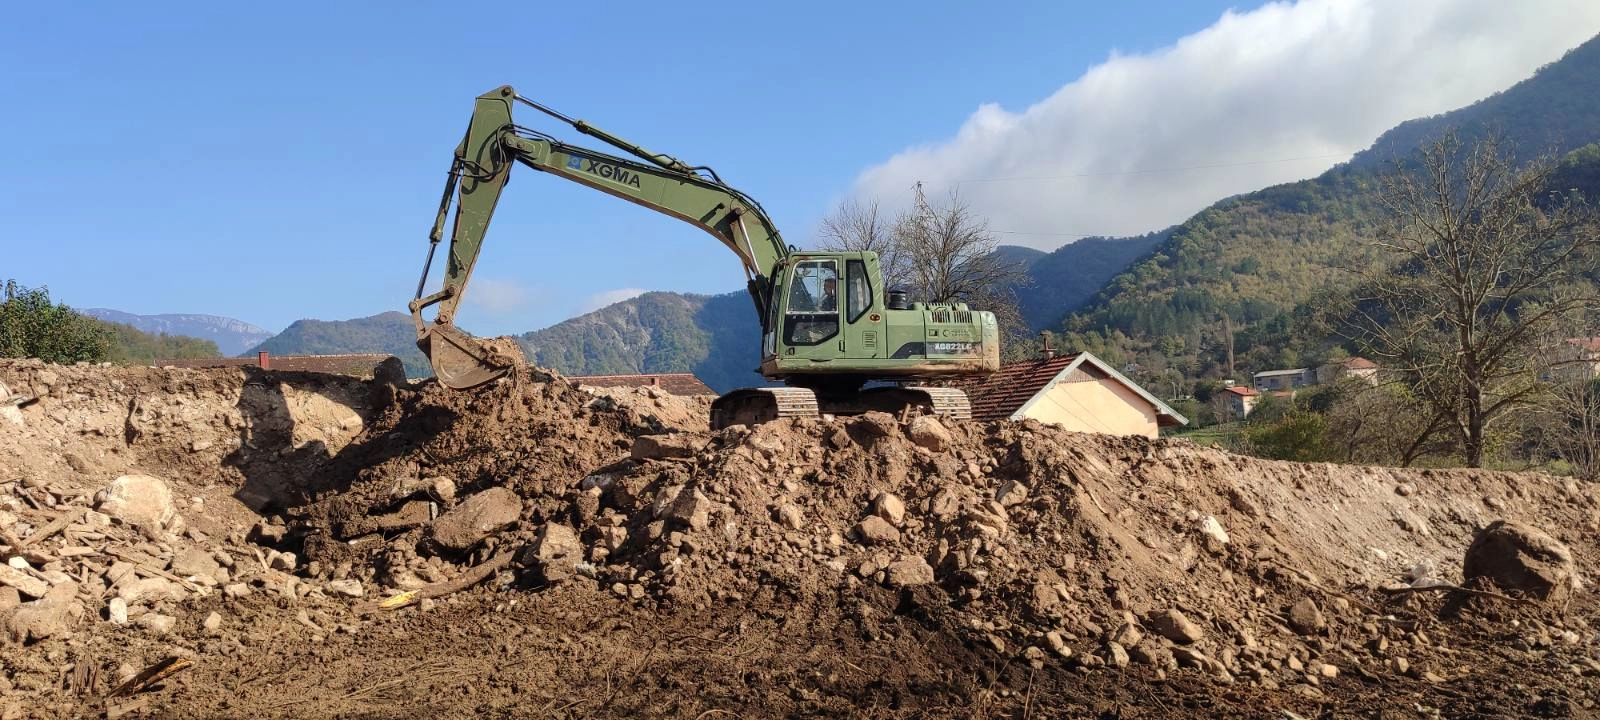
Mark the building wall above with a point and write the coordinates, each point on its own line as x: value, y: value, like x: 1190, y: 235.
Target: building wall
x: 1088, y: 404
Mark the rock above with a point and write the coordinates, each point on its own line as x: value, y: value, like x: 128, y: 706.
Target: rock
x: 477, y: 517
x: 790, y: 516
x: 1058, y: 645
x: 556, y: 552
x: 1405, y: 489
x: 157, y: 623
x: 212, y: 623
x: 890, y: 507
x: 928, y: 432
x: 1116, y: 655
x: 1174, y: 626
x: 143, y: 501
x: 24, y: 583
x: 117, y: 611
x: 910, y: 570
x: 443, y: 488
x: 1011, y: 493
x: 874, y: 530
x: 194, y: 562
x: 1216, y: 538
x: 348, y: 588
x: 268, y: 533
x: 1044, y: 597
x: 150, y: 590
x: 1516, y: 556
x: 1305, y: 617
x: 675, y: 445
x: 1127, y: 635
x: 1153, y: 654
x: 284, y: 561
x: 235, y: 591
x: 690, y: 508
x: 48, y: 616
x: 1400, y: 665
x: 875, y: 425
x: 1328, y: 671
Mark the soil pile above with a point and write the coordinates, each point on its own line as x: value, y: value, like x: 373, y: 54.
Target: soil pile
x: 536, y: 547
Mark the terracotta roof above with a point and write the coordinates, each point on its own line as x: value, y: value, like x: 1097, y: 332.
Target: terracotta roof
x: 675, y: 383
x: 1001, y: 394
x: 1589, y: 344
x: 1358, y: 363
x: 1243, y: 391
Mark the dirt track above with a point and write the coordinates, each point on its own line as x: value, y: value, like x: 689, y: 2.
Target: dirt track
x: 1018, y: 570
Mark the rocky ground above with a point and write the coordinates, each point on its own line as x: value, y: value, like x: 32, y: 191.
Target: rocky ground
x: 301, y: 545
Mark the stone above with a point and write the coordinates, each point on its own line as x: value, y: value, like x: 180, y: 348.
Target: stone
x: 1400, y: 665
x: 875, y: 425
x: 234, y: 591
x: 674, y: 445
x: 269, y: 533
x: 48, y: 616
x: 1058, y: 644
x: 149, y: 590
x: 1175, y: 626
x: 348, y: 588
x: 143, y: 501
x: 476, y: 518
x: 874, y: 530
x: 928, y: 432
x: 690, y: 508
x: 443, y: 488
x: 24, y: 583
x: 1405, y: 489
x: 1328, y: 670
x: 193, y: 562
x: 1520, y: 557
x: 284, y: 561
x: 1044, y: 597
x: 157, y: 623
x: 1116, y: 655
x: 117, y: 611
x: 1153, y: 654
x: 212, y: 623
x: 1127, y: 635
x: 557, y: 541
x: 1011, y: 493
x: 890, y: 507
x: 1216, y: 538
x: 1305, y: 617
x: 910, y: 570
x: 790, y: 516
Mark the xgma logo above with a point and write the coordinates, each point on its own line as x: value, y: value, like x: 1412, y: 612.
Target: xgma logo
x: 605, y: 170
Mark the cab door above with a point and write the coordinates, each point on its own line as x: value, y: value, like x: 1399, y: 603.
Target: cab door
x: 863, y: 337
x: 812, y: 311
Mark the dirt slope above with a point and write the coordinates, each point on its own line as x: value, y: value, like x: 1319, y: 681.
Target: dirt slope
x: 869, y: 567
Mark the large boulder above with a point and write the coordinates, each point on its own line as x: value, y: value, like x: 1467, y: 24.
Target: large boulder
x: 1520, y: 557
x: 476, y: 518
x: 140, y: 500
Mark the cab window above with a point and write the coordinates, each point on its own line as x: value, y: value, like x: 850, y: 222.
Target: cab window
x: 859, y: 298
x: 812, y: 315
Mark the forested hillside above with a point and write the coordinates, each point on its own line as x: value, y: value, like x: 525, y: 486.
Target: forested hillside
x: 716, y: 337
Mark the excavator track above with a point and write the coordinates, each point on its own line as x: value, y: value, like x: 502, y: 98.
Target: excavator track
x: 752, y: 406
x: 949, y: 402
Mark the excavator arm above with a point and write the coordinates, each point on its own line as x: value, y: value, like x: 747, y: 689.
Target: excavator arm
x: 479, y: 173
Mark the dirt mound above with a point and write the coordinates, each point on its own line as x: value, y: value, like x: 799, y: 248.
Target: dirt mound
x: 338, y: 546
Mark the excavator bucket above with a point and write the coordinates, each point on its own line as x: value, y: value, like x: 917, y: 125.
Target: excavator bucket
x: 461, y: 361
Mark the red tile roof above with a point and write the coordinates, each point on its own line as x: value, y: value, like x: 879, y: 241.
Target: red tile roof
x: 1241, y: 391
x: 1001, y: 394
x: 1359, y: 363
x: 676, y: 383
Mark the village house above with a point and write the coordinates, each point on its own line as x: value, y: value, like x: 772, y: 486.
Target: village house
x: 1239, y: 401
x: 1268, y: 380
x: 1583, y: 359
x: 1358, y: 368
x: 1077, y: 391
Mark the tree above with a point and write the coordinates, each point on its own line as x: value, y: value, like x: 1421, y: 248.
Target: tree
x: 1481, y: 260
x: 939, y: 252
x: 32, y: 327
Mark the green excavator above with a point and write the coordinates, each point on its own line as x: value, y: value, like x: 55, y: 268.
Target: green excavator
x: 839, y: 341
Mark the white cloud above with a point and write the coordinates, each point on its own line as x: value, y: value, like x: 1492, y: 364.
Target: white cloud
x: 498, y: 296
x: 1277, y: 94
x: 599, y: 300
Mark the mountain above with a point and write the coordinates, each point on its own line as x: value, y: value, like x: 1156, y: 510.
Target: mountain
x: 1063, y: 280
x: 231, y: 336
x: 390, y: 332
x: 716, y: 337
x: 1257, y: 258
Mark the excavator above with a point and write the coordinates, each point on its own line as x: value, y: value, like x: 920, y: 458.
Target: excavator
x: 839, y: 340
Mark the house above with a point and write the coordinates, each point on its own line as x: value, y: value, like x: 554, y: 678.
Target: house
x: 685, y: 384
x: 1358, y: 368
x: 1239, y: 401
x: 1284, y: 379
x: 1077, y: 391
x: 1583, y: 361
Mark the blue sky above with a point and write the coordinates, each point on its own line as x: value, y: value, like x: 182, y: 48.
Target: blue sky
x: 275, y: 161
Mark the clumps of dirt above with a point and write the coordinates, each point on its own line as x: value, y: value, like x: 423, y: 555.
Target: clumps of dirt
x: 1012, y: 567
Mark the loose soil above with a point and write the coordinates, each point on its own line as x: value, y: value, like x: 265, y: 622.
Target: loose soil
x: 645, y: 566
